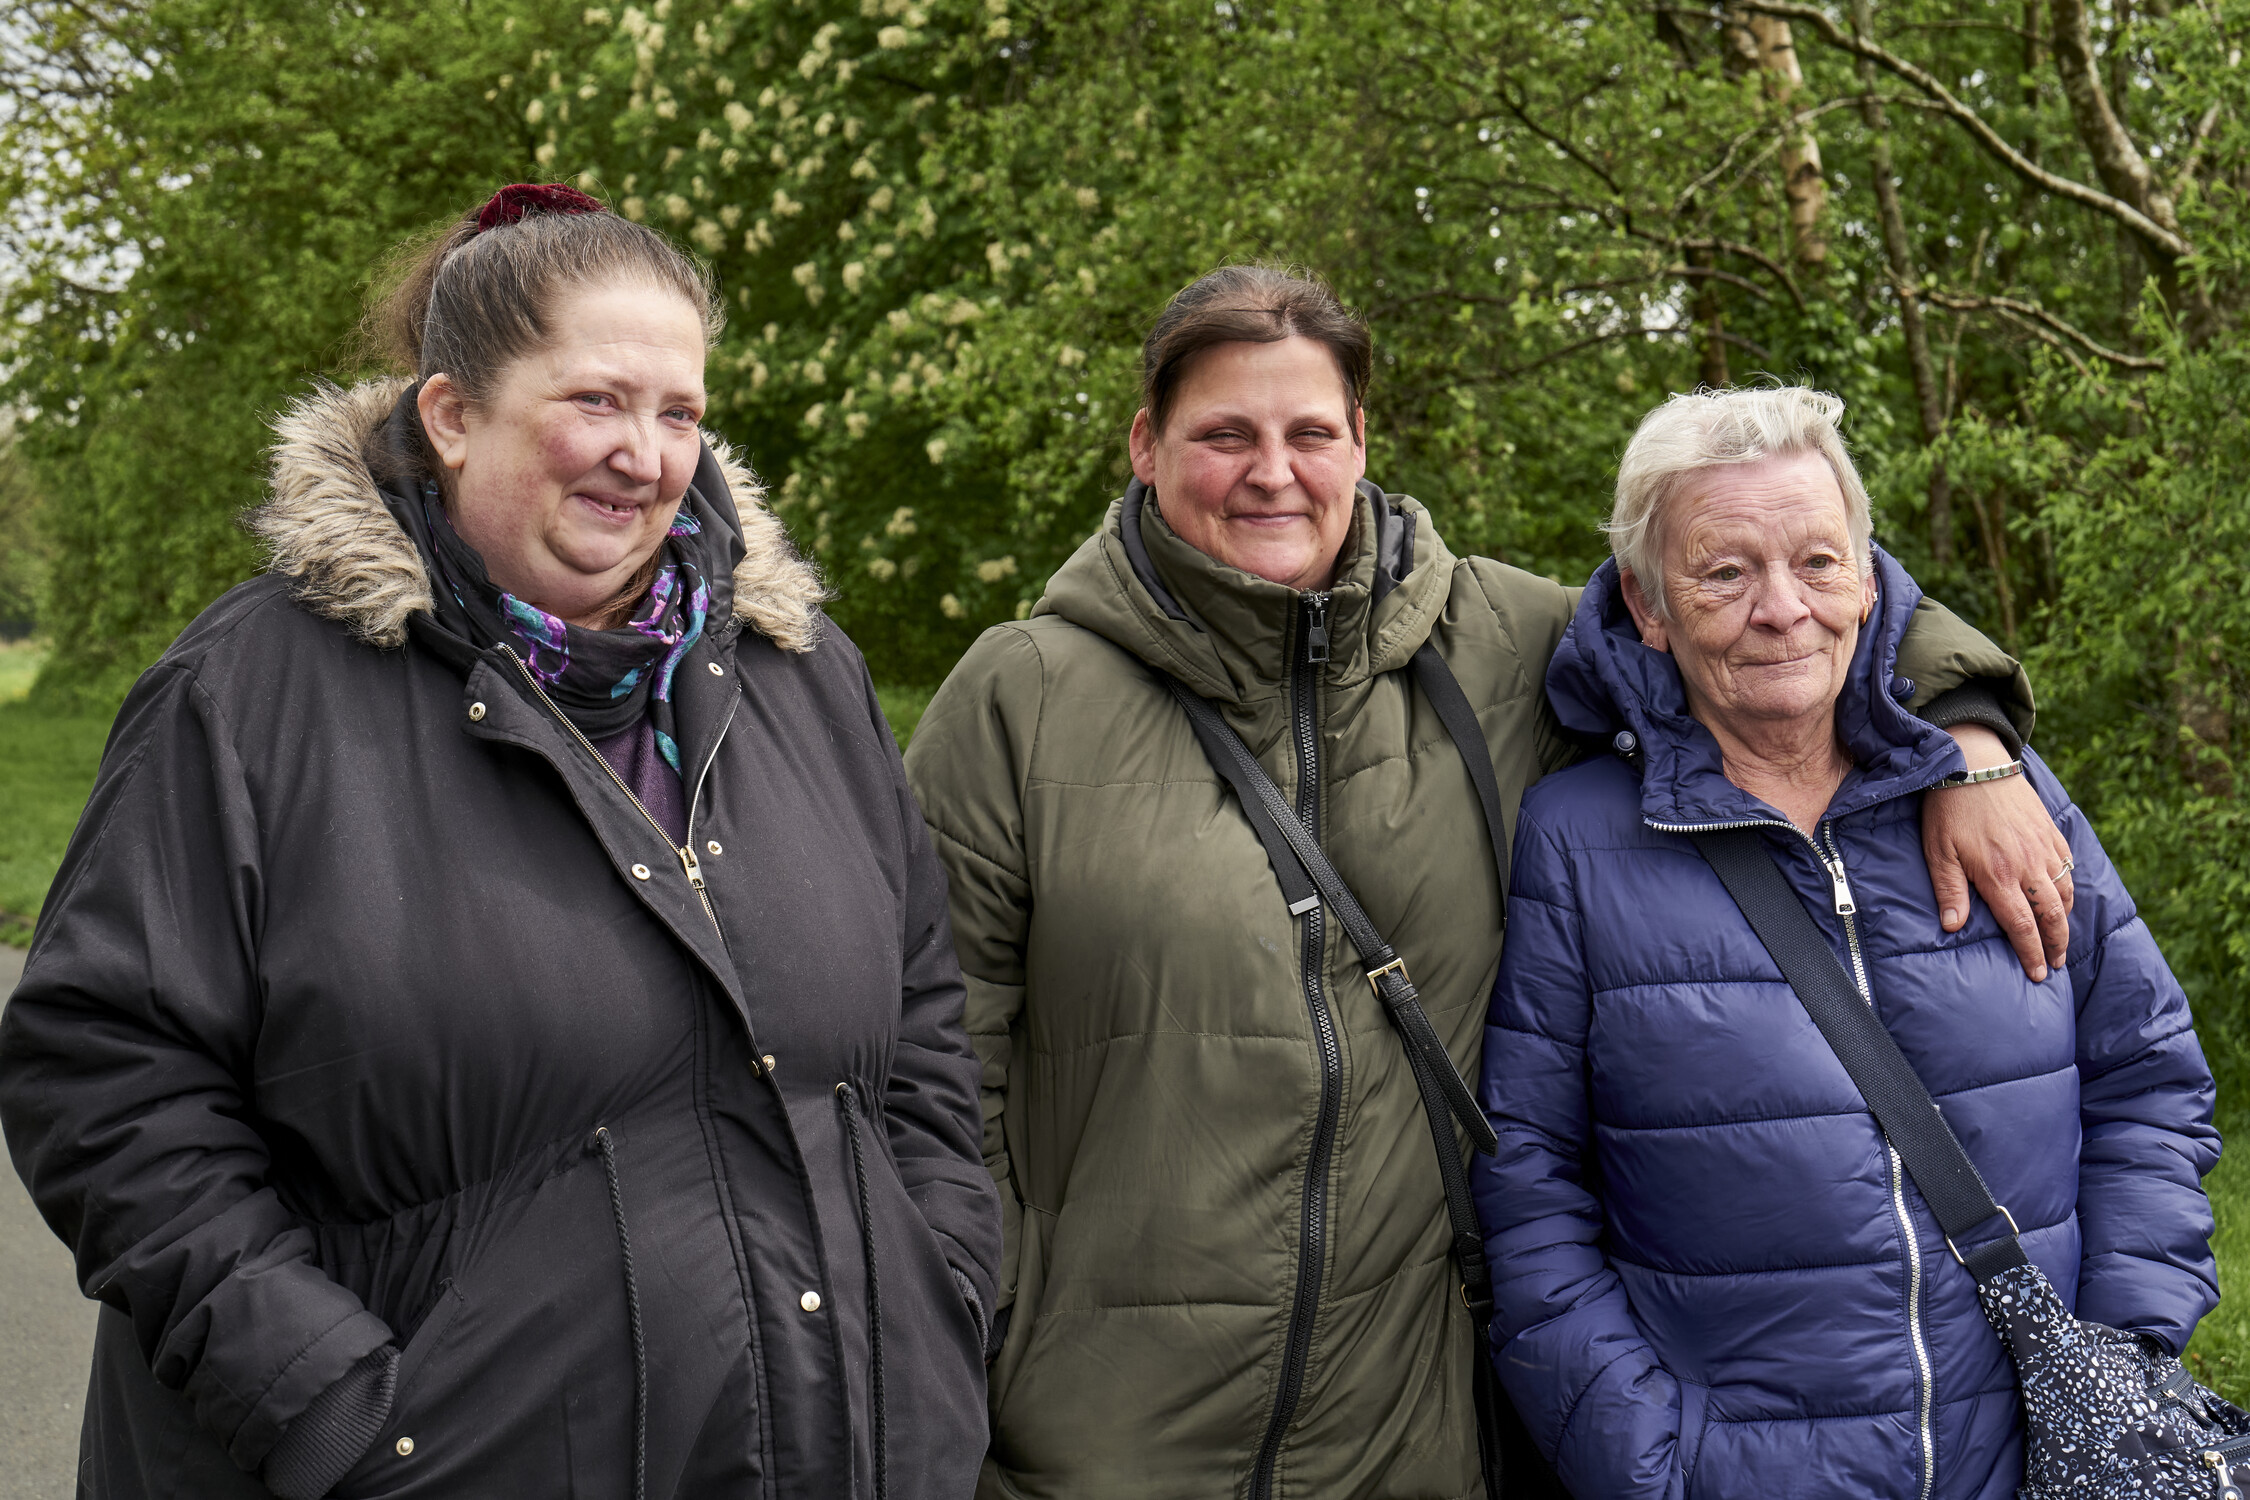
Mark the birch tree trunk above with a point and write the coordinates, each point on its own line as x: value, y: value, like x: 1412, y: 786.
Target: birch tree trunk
x: 1929, y: 395
x: 1803, y: 183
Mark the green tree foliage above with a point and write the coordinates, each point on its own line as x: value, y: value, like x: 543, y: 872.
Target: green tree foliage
x: 198, y: 193
x: 23, y: 546
x: 2009, y: 232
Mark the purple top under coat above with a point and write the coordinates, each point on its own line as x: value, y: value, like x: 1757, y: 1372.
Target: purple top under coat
x: 633, y: 755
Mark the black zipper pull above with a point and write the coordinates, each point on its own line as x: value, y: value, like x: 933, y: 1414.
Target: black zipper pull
x: 1316, y: 629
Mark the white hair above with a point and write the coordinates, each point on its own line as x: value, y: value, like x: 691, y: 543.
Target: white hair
x: 1707, y: 429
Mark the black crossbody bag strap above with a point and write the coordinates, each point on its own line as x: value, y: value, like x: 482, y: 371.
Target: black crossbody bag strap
x: 1894, y: 1093
x: 1444, y: 692
x: 1443, y: 1091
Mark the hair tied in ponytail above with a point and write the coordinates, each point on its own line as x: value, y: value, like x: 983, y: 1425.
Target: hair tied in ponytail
x: 511, y: 203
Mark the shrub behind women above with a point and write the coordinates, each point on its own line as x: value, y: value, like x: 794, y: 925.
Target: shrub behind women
x: 495, y: 1030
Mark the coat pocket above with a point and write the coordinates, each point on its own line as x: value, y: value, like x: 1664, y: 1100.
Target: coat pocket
x: 426, y: 1338
x: 534, y: 1306
x: 382, y: 1464
x: 1695, y: 1425
x: 1023, y: 1314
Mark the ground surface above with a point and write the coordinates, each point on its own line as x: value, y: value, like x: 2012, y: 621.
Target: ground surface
x: 46, y: 1340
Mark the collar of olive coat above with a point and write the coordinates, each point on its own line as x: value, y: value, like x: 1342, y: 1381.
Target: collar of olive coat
x: 1233, y: 637
x: 328, y: 528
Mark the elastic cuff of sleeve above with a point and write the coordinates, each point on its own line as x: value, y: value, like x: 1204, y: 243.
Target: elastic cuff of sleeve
x: 329, y: 1436
x: 1974, y: 703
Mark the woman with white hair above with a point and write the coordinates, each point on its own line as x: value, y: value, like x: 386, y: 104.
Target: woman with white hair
x: 1714, y: 1274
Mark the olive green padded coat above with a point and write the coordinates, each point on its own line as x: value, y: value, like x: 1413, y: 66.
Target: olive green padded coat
x: 1226, y: 1238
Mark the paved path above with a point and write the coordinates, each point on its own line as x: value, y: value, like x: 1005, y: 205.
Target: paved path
x: 46, y: 1339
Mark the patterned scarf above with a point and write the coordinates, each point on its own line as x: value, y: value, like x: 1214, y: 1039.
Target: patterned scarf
x: 602, y: 680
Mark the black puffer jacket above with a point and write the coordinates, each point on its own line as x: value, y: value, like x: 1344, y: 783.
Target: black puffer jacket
x: 368, y: 1010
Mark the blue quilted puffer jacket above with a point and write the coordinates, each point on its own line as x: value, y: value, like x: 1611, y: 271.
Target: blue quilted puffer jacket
x: 1714, y: 1278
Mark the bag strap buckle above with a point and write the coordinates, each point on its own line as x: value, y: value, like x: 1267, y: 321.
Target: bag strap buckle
x: 1395, y: 966
x: 2003, y: 1211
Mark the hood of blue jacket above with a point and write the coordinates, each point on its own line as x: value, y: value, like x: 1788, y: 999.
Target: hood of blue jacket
x: 1603, y: 679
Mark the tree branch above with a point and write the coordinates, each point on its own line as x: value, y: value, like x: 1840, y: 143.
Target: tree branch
x: 2000, y: 26
x: 1747, y: 252
x: 2031, y: 313
x: 1501, y: 377
x: 2165, y: 242
x: 2193, y: 163
x: 2124, y: 171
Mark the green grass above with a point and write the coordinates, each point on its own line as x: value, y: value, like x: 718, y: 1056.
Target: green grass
x: 903, y: 706
x: 47, y: 765
x: 2220, y: 1353
x: 19, y: 663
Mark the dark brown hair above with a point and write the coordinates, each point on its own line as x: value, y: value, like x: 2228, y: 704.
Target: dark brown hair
x: 470, y: 303
x: 1257, y: 304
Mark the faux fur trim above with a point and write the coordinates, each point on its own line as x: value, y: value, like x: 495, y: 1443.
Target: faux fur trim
x: 327, y: 529
x: 776, y: 591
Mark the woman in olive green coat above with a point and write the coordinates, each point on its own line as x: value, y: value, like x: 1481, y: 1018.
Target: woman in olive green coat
x: 1227, y: 1260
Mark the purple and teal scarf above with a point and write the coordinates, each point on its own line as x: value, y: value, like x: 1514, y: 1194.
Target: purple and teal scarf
x: 602, y: 680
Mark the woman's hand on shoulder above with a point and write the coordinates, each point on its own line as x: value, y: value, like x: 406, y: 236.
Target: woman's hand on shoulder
x: 2000, y: 837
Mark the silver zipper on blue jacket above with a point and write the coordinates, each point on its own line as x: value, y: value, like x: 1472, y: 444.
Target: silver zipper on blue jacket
x: 684, y: 853
x: 1312, y: 1244
x: 1924, y: 1380
x: 1847, y: 908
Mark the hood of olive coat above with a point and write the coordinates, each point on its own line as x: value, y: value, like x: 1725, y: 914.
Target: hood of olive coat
x: 1226, y: 633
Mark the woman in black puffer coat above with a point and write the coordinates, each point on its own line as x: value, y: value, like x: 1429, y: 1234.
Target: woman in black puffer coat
x: 496, y: 1030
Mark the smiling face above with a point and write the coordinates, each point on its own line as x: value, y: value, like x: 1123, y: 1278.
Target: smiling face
x: 1257, y: 459
x: 567, y: 479
x: 1766, y: 596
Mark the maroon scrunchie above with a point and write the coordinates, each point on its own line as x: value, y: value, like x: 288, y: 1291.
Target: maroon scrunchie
x: 512, y: 202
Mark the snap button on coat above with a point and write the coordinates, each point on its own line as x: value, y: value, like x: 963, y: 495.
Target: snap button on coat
x: 476, y: 713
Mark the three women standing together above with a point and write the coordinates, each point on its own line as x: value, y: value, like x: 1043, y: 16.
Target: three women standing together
x: 497, y: 1028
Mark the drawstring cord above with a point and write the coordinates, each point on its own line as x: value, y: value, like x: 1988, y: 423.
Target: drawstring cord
x: 608, y: 1144
x: 847, y: 1101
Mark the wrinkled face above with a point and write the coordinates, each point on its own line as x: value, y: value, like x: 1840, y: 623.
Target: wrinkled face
x: 567, y: 479
x: 1257, y: 459
x: 1766, y: 598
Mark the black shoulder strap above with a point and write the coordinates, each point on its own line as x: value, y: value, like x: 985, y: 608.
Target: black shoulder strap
x: 1460, y: 721
x: 1886, y: 1080
x: 1394, y: 559
x: 1271, y: 815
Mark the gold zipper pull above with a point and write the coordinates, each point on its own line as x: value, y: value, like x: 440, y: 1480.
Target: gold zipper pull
x: 687, y: 863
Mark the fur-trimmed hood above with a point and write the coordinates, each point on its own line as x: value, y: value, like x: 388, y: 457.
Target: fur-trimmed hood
x: 331, y: 534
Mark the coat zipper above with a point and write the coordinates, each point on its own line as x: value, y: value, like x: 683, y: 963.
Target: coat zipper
x: 1832, y: 861
x: 1925, y: 1383
x: 1312, y: 1245
x: 684, y: 853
